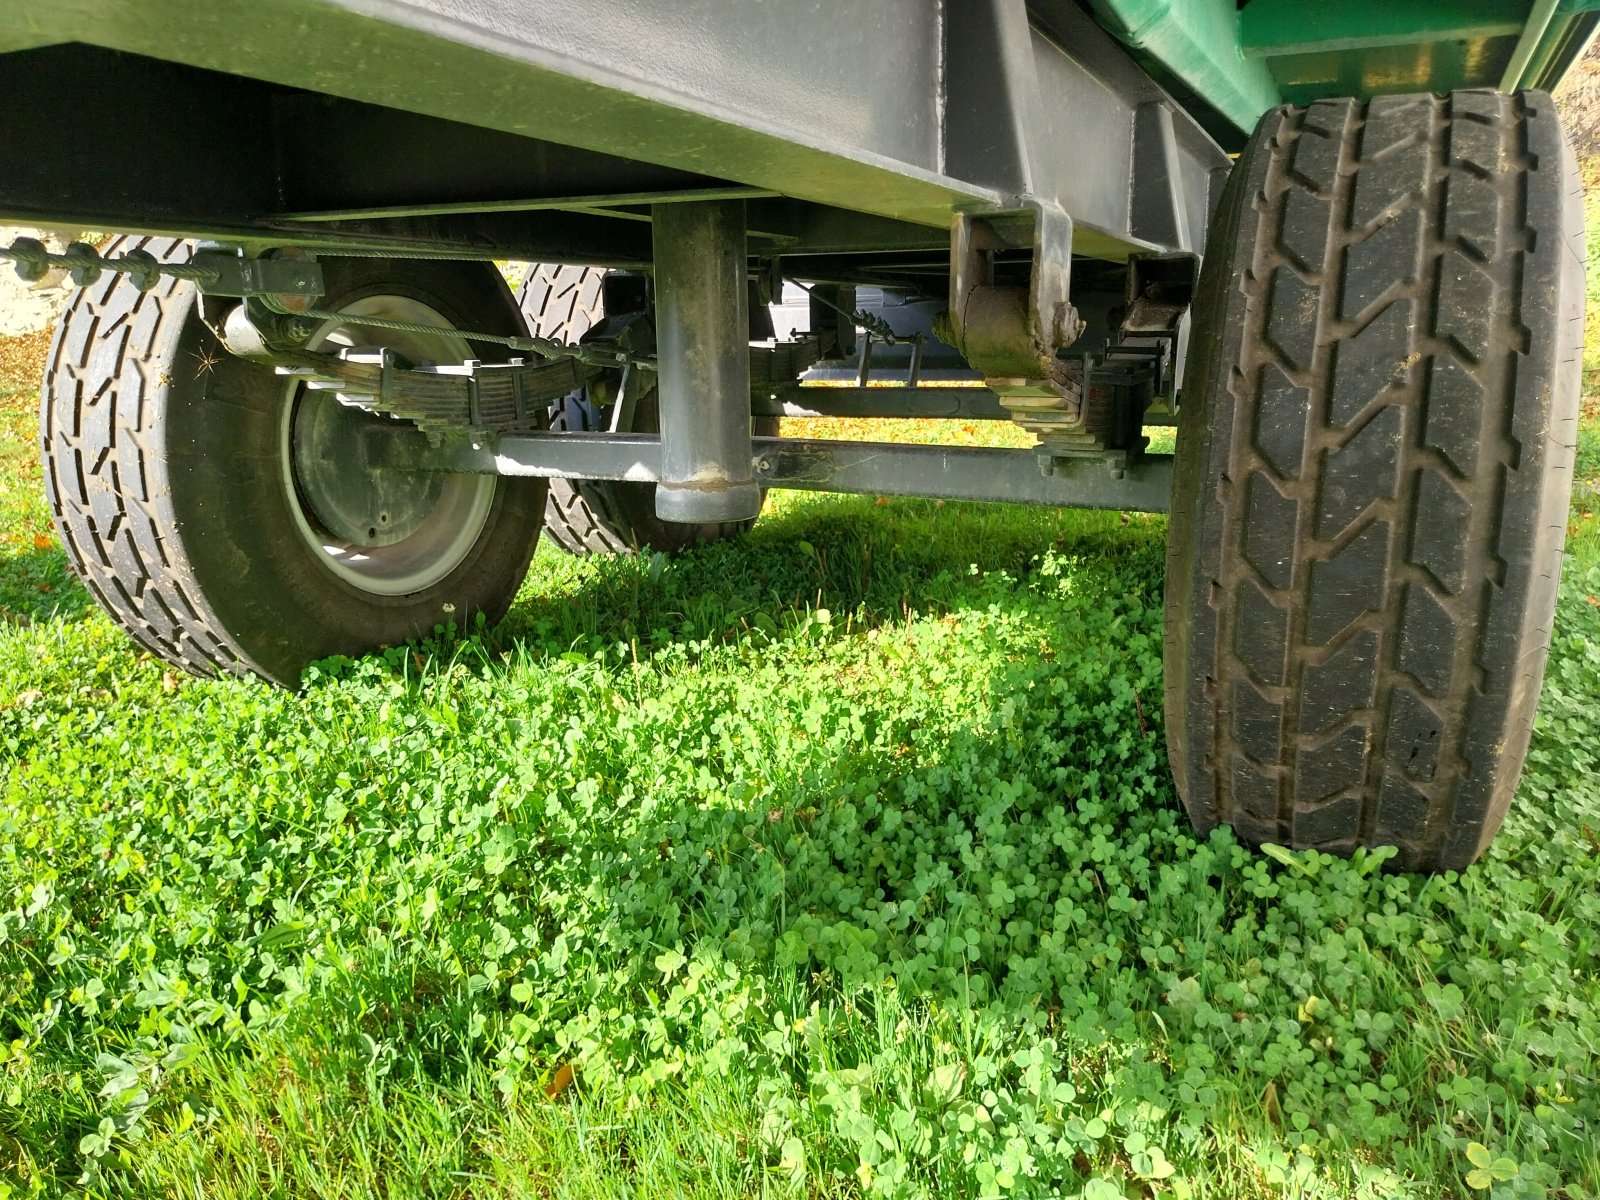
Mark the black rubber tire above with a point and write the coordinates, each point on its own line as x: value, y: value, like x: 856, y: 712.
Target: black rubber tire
x: 1374, y: 465
x: 594, y: 516
x: 164, y: 468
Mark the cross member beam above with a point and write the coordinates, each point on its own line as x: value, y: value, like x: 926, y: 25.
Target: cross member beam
x: 865, y: 468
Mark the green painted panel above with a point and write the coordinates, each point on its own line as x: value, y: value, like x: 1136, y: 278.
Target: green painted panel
x: 1276, y: 27
x: 1382, y: 70
x: 1241, y: 62
x: 1198, y: 42
x: 1563, y: 44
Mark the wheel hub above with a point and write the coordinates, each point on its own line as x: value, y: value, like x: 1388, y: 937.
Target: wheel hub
x: 388, y: 533
x: 365, y: 507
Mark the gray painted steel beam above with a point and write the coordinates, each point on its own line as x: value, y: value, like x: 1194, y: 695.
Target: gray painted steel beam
x: 629, y: 457
x: 775, y: 96
x: 962, y: 473
x: 868, y: 468
x: 901, y: 109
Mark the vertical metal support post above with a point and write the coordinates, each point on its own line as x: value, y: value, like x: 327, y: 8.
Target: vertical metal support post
x: 703, y: 355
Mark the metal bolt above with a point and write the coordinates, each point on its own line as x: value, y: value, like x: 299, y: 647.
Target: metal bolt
x: 87, y: 269
x: 32, y: 259
x: 144, y: 269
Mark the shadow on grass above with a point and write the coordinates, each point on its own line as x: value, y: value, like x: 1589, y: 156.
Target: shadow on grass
x: 873, y: 855
x: 859, y: 868
x: 920, y: 903
x: 866, y: 564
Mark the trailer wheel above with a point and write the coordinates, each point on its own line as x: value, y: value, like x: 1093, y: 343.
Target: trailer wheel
x: 210, y: 506
x: 1374, y: 465
x: 597, y: 516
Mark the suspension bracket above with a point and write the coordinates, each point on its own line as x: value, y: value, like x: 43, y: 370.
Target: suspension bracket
x: 292, y: 278
x: 1010, y: 332
x: 1013, y: 333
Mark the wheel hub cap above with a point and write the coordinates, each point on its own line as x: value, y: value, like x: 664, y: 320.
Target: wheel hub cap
x: 385, y: 532
x: 365, y: 507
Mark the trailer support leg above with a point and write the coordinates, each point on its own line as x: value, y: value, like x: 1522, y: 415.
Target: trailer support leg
x: 703, y: 351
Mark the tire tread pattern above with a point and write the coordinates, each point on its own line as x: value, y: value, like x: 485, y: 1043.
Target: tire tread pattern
x: 1380, y: 463
x: 105, y: 485
x: 564, y: 302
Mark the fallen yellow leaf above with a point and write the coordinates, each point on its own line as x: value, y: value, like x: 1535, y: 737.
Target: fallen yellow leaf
x: 559, y: 1082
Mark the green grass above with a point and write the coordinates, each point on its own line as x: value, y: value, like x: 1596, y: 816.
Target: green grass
x: 844, y: 861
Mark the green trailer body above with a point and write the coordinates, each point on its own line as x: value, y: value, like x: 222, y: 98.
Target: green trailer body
x: 1238, y: 60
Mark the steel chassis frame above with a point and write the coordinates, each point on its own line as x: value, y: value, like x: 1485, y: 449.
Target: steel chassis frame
x: 1011, y: 138
x: 496, y: 128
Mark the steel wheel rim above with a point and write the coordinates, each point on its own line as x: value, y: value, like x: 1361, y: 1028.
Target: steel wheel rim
x: 443, y: 537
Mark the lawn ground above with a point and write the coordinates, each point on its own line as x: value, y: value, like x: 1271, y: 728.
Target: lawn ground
x: 842, y: 861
